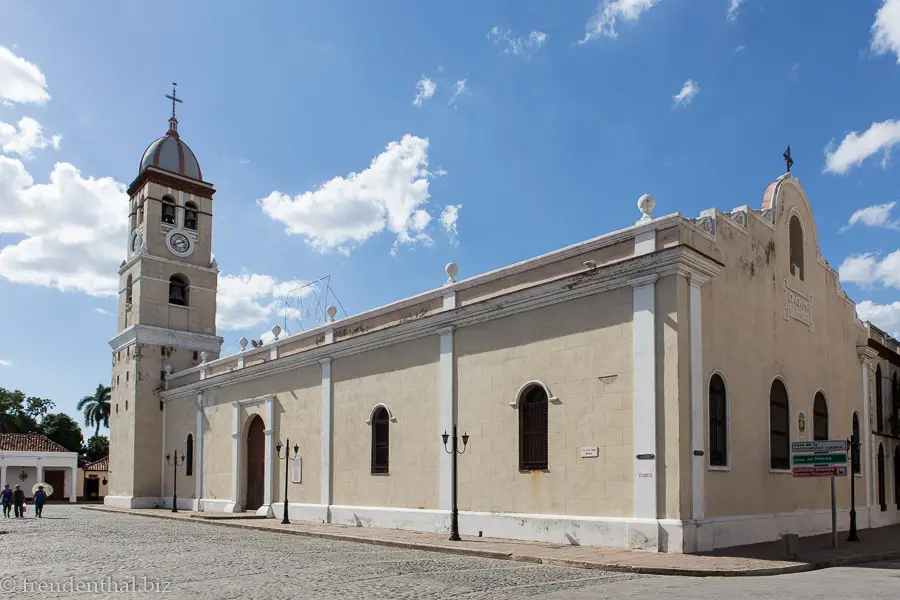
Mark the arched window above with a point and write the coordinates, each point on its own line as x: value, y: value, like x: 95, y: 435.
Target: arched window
x: 190, y: 216
x: 533, y: 428
x: 882, y: 493
x: 796, y: 234
x: 128, y: 282
x: 779, y: 427
x: 879, y: 403
x: 178, y: 290
x: 897, y: 476
x: 140, y: 211
x: 857, y: 465
x: 380, y: 440
x: 820, y: 418
x: 718, y: 422
x: 168, y: 210
x: 189, y: 456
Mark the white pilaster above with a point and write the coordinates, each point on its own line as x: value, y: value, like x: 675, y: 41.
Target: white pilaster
x: 199, y: 466
x: 269, y: 479
x: 163, y: 463
x: 446, y: 413
x: 326, y: 474
x: 3, y: 476
x: 235, y: 505
x: 644, y: 369
x: 73, y: 482
x: 867, y: 448
x: 40, y: 472
x: 698, y: 429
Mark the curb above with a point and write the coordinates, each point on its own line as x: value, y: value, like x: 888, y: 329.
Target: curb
x: 558, y: 562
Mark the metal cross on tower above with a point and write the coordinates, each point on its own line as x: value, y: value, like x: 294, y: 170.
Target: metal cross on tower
x: 174, y: 98
x: 787, y: 158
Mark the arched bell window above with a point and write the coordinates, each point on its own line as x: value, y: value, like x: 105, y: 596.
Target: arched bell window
x: 189, y: 456
x: 140, y: 211
x: 381, y: 422
x: 128, y: 283
x: 178, y: 290
x: 796, y: 235
x: 168, y: 210
x: 190, y: 216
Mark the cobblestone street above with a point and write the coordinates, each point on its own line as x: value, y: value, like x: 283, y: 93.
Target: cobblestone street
x: 110, y: 552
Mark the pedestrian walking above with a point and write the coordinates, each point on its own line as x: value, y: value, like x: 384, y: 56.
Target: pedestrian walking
x: 19, y: 502
x: 40, y: 496
x: 6, y: 498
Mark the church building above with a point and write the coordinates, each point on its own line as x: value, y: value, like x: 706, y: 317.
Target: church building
x: 640, y: 389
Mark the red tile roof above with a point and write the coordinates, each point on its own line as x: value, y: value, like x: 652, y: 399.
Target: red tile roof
x: 29, y: 442
x: 98, y: 465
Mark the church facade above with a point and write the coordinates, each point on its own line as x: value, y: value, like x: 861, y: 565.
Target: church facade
x: 640, y: 389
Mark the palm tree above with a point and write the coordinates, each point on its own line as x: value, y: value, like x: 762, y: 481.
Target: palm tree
x: 96, y: 408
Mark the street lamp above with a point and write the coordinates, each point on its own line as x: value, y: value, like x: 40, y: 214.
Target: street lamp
x: 172, y: 461
x: 454, y: 511
x: 854, y: 457
x: 287, y: 454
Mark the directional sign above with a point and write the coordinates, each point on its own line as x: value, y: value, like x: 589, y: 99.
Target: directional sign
x: 827, y: 446
x: 819, y: 471
x: 838, y: 458
x: 824, y: 458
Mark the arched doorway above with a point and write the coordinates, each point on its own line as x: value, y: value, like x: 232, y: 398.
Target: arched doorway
x: 256, y: 463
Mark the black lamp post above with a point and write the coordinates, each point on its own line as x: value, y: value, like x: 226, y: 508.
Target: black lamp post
x: 285, y: 458
x: 173, y: 461
x: 454, y: 511
x: 854, y: 457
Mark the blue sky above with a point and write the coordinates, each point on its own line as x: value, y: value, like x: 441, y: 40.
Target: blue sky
x: 537, y: 125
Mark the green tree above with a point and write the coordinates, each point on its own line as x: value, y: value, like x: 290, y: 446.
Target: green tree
x: 19, y: 414
x: 62, y: 429
x: 96, y: 408
x: 96, y: 448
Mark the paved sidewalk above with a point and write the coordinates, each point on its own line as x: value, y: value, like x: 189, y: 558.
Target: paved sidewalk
x: 759, y: 559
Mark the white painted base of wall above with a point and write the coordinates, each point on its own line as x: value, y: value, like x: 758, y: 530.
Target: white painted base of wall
x: 132, y: 502
x: 305, y: 512
x: 232, y: 507
x: 183, y: 503
x: 265, y: 511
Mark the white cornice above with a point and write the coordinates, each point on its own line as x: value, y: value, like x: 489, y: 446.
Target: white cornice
x: 127, y: 264
x: 678, y: 259
x: 159, y: 336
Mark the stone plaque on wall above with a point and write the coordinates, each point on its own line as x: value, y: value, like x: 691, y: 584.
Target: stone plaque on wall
x: 797, y: 306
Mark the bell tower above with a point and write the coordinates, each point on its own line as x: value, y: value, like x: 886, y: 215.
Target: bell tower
x: 167, y: 308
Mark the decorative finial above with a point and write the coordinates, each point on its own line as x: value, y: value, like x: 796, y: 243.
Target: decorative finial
x: 276, y: 331
x: 451, y: 269
x: 243, y: 342
x: 788, y: 161
x: 331, y: 312
x: 646, y: 204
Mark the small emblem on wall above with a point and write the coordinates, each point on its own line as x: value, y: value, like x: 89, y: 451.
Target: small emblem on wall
x: 590, y: 452
x: 801, y: 422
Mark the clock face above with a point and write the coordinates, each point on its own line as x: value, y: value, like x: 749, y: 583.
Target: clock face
x: 135, y: 242
x: 180, y: 243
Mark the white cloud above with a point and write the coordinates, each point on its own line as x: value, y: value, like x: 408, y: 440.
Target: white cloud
x: 877, y: 215
x: 867, y: 270
x: 687, y: 93
x: 5, y: 363
x: 448, y: 219
x: 247, y: 300
x: 459, y: 88
x: 20, y: 80
x: 883, y: 316
x: 603, y: 22
x: 28, y: 137
x: 426, y: 89
x: 102, y: 311
x: 855, y: 148
x: 74, y: 229
x: 518, y: 46
x: 886, y: 29
x: 346, y: 211
x: 734, y: 8
x: 740, y: 48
